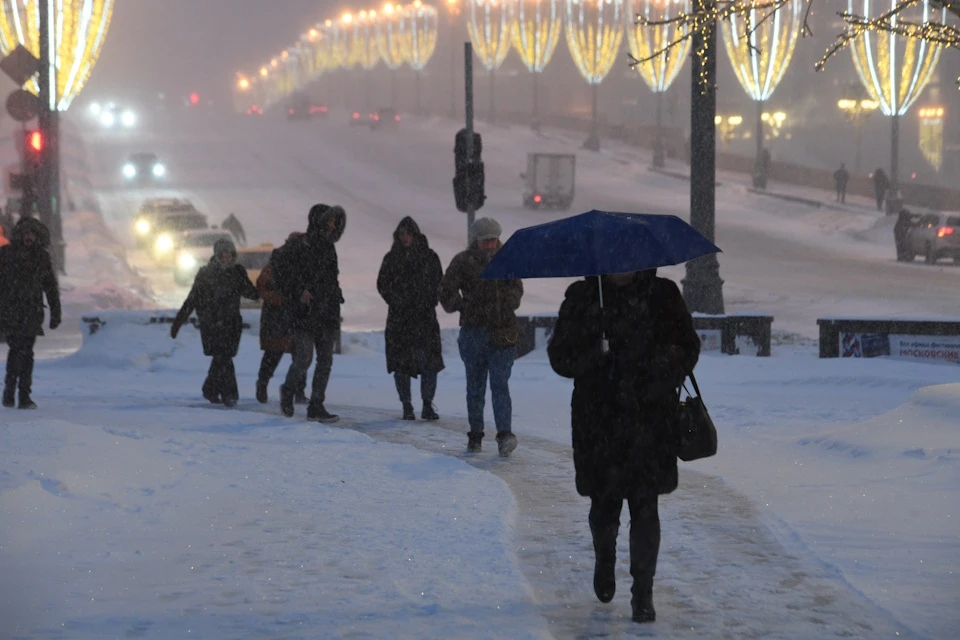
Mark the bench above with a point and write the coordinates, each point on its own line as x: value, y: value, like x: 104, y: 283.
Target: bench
x: 936, y: 338
x: 717, y: 332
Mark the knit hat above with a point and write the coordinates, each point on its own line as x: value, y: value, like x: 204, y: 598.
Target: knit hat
x: 224, y: 245
x: 484, y: 229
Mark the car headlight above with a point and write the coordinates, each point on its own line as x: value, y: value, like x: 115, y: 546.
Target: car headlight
x: 142, y: 227
x: 163, y: 244
x: 129, y: 170
x: 94, y: 109
x: 107, y: 119
x: 128, y: 118
x: 159, y: 170
x: 186, y: 261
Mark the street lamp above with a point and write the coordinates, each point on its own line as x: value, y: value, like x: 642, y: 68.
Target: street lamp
x: 857, y: 110
x: 366, y: 50
x: 453, y: 13
x: 390, y: 38
x: 420, y: 40
x: 536, y: 33
x: 491, y: 32
x: 727, y: 126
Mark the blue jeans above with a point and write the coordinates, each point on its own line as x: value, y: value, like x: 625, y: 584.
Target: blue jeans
x: 480, y: 359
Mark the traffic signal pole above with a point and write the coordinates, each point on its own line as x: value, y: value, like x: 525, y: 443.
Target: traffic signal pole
x: 468, y: 104
x: 48, y: 178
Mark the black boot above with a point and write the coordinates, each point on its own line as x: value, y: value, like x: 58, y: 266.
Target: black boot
x: 26, y: 402
x: 429, y: 412
x: 474, y: 440
x: 506, y: 443
x: 301, y: 398
x: 262, y: 392
x: 605, y: 578
x: 408, y: 412
x: 320, y: 414
x: 286, y: 401
x: 8, y: 397
x: 642, y: 603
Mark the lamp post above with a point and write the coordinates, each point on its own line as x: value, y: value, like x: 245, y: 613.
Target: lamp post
x: 857, y: 110
x: 420, y: 40
x: 536, y: 33
x: 453, y: 13
x: 490, y: 27
x: 390, y: 42
x: 726, y: 126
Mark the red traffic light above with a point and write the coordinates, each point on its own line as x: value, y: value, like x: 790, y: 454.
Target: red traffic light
x: 35, y: 141
x: 194, y: 98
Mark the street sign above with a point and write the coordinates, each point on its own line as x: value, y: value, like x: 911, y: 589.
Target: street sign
x: 20, y: 65
x: 22, y: 105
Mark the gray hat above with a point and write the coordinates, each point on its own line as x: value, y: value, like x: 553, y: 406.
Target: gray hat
x: 222, y: 246
x: 484, y: 229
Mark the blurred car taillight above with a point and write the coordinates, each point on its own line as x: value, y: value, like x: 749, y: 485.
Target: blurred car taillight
x: 944, y: 231
x: 356, y: 116
x: 538, y: 198
x: 397, y: 118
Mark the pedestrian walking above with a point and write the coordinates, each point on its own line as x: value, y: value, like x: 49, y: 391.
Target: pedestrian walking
x: 625, y: 402
x: 306, y: 273
x: 901, y: 235
x: 840, y: 179
x: 232, y: 224
x: 26, y: 276
x: 276, y: 332
x: 488, y: 332
x: 409, y: 282
x: 881, y: 184
x: 215, y: 296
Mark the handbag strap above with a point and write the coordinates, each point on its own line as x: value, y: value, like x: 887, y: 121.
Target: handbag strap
x: 696, y: 388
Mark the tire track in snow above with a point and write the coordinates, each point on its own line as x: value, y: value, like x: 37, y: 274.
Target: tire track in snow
x: 722, y: 572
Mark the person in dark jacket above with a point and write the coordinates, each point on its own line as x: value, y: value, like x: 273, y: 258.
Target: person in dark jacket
x: 901, y: 235
x: 409, y: 282
x: 488, y: 332
x: 26, y: 276
x: 624, y: 404
x: 306, y: 274
x: 881, y: 184
x: 232, y: 224
x: 276, y: 332
x: 840, y: 179
x: 216, y: 296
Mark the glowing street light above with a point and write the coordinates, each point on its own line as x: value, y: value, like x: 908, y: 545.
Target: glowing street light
x: 536, y: 33
x: 760, y: 46
x: 491, y: 31
x: 727, y: 126
x: 594, y: 35
x: 390, y: 41
x: 931, y: 135
x: 894, y: 69
x: 654, y: 46
x: 857, y: 110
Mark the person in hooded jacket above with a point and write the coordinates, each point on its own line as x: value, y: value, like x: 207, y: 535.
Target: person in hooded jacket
x: 409, y: 282
x: 488, y: 332
x: 26, y: 276
x: 306, y: 274
x: 623, y: 411
x: 276, y: 331
x: 215, y: 296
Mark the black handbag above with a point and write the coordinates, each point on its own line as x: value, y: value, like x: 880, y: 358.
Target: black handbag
x: 696, y: 433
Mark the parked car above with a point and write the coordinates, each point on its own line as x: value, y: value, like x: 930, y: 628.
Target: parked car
x: 935, y: 236
x: 193, y: 250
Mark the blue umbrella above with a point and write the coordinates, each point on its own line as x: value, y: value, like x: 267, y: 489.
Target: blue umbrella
x: 597, y: 243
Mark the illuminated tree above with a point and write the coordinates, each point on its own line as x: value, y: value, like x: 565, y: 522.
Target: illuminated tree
x: 490, y: 27
x: 338, y: 45
x: 661, y: 65
x: 594, y: 36
x: 421, y: 22
x: 390, y: 41
x: 536, y: 32
x: 80, y: 29
x: 895, y: 69
x: 760, y: 46
x: 366, y: 51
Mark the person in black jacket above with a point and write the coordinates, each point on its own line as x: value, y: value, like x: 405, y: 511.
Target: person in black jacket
x: 306, y: 272
x: 625, y: 402
x: 409, y: 282
x: 216, y: 296
x: 26, y: 275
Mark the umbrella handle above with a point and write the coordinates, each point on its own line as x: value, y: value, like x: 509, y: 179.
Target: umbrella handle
x: 604, y: 344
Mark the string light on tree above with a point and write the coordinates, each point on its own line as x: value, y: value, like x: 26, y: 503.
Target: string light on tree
x: 338, y: 45
x: 366, y: 51
x: 536, y: 33
x: 931, y: 135
x: 390, y: 38
x: 490, y: 26
x: 421, y: 27
x: 760, y: 44
x: 594, y: 35
x: 650, y: 42
x: 895, y: 69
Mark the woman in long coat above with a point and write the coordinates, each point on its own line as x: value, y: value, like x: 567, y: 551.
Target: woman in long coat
x: 409, y: 282
x: 624, y: 405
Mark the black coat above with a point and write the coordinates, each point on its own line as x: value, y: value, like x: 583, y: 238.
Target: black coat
x: 409, y: 282
x: 216, y: 296
x: 309, y: 263
x: 625, y: 401
x: 26, y: 275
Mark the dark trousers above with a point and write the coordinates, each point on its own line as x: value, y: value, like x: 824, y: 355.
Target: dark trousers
x: 842, y: 193
x: 644, y: 536
x: 20, y: 363
x: 880, y: 195
x: 304, y: 342
x: 428, y: 386
x: 221, y: 379
x: 268, y: 365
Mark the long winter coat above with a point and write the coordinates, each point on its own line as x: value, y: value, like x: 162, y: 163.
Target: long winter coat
x: 215, y: 297
x: 624, y: 402
x: 309, y: 263
x: 26, y: 275
x: 483, y: 304
x: 409, y: 282
x: 276, y: 325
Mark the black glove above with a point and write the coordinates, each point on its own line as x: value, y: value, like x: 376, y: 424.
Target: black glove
x: 54, y: 322
x: 174, y: 330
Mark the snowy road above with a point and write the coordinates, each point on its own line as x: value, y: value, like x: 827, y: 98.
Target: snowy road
x: 796, y: 262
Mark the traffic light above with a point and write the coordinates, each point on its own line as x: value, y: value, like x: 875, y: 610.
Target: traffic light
x: 468, y: 179
x: 33, y: 144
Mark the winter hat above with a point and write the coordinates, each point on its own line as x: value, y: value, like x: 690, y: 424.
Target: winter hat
x: 222, y: 246
x: 484, y: 229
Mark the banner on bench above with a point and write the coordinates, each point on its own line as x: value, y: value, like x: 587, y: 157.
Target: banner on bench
x: 864, y: 345
x: 926, y: 348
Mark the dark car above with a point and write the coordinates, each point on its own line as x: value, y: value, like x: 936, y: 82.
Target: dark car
x: 144, y: 167
x: 303, y: 107
x: 385, y: 119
